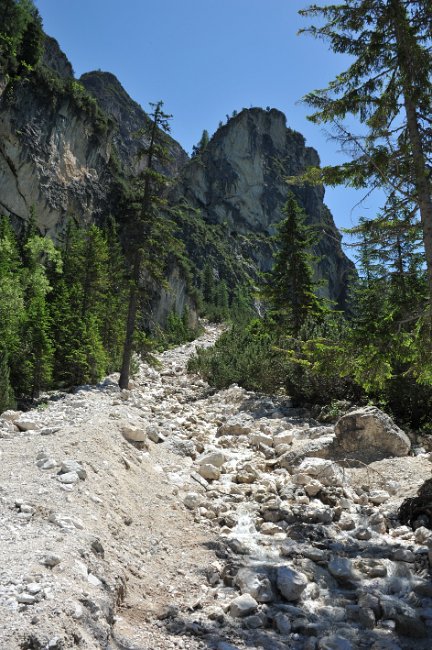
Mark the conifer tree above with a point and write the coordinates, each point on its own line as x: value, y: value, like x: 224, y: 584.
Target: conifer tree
x: 6, y: 393
x: 37, y: 351
x: 12, y: 309
x: 150, y: 230
x: 388, y: 87
x: 289, y: 287
x: 202, y: 144
x: 208, y: 284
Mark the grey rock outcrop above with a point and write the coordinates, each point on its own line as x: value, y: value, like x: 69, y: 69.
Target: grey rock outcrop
x: 239, y: 182
x: 370, y: 434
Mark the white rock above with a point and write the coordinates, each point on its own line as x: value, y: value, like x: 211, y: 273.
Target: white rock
x: 423, y: 535
x: 378, y: 496
x: 255, y: 584
x: 369, y: 432
x: 10, y: 415
x: 313, y: 487
x: 68, y: 478
x: 26, y: 599
x: 51, y: 560
x: 73, y: 466
x: 24, y: 424
x: 243, y: 606
x: 134, y: 434
x: 325, y: 471
x: 216, y: 458
x: 283, y: 438
x: 209, y: 472
x: 257, y: 438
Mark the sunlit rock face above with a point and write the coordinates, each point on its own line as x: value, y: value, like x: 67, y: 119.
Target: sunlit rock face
x: 240, y: 181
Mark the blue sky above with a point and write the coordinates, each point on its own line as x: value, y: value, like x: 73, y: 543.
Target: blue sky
x: 204, y: 59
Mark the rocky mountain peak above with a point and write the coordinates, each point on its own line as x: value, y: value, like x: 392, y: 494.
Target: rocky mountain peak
x: 239, y: 180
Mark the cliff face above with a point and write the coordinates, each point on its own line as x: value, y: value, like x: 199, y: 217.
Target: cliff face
x: 129, y: 118
x: 239, y: 181
x: 61, y: 147
x: 53, y: 157
x: 57, y: 153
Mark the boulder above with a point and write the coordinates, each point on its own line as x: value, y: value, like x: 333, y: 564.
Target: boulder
x: 134, y: 434
x: 320, y: 448
x: 291, y: 583
x: 243, y: 606
x: 255, y: 584
x: 371, y: 434
x: 209, y: 472
x: 216, y: 458
x: 326, y: 472
x: 26, y: 424
x: 236, y: 425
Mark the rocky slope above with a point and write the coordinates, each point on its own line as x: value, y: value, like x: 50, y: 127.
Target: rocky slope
x: 172, y: 516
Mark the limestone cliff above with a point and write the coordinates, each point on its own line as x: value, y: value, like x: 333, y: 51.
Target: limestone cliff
x: 64, y: 142
x: 239, y: 181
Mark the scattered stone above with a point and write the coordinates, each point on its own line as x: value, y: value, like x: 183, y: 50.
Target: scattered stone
x: 26, y: 599
x: 243, y: 606
x: 341, y: 568
x: 51, y: 560
x: 193, y: 500
x: 237, y: 425
x: 291, y: 583
x: 134, y: 434
x: 73, y: 466
x: 209, y: 472
x: 68, y: 478
x: 216, y: 458
x: 24, y: 424
x: 282, y: 623
x: 326, y: 472
x: 255, y: 584
x: 378, y: 496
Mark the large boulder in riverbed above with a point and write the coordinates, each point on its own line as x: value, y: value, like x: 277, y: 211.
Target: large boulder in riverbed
x: 368, y: 434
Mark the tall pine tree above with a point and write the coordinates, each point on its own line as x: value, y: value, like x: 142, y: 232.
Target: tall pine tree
x: 149, y: 228
x: 289, y: 287
x: 388, y: 87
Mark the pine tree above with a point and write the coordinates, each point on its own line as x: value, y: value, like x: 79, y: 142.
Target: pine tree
x: 202, y: 144
x: 289, y: 287
x: 114, y: 303
x: 150, y: 230
x: 208, y: 284
x: 12, y: 309
x: 388, y: 88
x: 79, y: 309
x: 37, y: 349
x: 6, y: 393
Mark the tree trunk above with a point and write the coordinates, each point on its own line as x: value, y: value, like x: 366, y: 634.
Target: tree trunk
x: 420, y: 170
